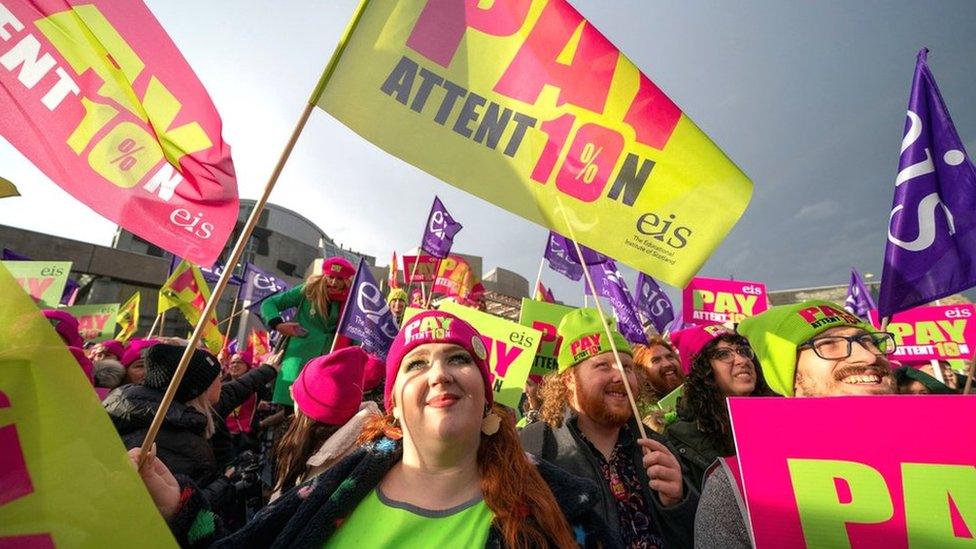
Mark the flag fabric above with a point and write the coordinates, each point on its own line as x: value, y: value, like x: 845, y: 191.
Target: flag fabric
x: 7, y: 189
x: 71, y: 288
x: 128, y: 318
x: 931, y: 248
x: 393, y: 281
x: 440, y: 230
x: 549, y: 296
x: 653, y: 303
x: 187, y: 291
x: 367, y: 317
x: 211, y: 274
x: 99, y: 98
x: 859, y: 301
x: 557, y: 256
x: 589, y: 256
x: 542, y: 293
x: 473, y: 297
x: 66, y: 477
x: 42, y: 280
x: 10, y: 255
x: 454, y: 278
x: 529, y: 107
x: 257, y: 284
x: 610, y: 284
x: 259, y: 343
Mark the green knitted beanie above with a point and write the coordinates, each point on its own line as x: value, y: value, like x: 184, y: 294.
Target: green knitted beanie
x: 775, y: 334
x: 583, y: 337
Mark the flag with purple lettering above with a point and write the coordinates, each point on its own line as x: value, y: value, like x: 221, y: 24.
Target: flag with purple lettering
x: 257, y: 284
x: 859, y: 300
x: 610, y: 284
x: 931, y: 248
x: 440, y: 230
x: 562, y: 256
x: 653, y: 303
x: 367, y: 317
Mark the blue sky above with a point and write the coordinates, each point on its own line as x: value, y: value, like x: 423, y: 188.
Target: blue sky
x: 808, y: 98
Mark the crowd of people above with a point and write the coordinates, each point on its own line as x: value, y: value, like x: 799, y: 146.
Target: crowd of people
x: 321, y: 444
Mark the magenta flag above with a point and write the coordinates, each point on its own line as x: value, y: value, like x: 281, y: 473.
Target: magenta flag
x: 99, y: 98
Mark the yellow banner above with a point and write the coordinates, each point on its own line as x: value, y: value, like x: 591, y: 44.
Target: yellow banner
x: 66, y: 479
x: 526, y: 105
x: 186, y: 290
x: 128, y: 318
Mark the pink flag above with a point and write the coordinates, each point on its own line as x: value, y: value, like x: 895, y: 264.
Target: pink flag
x: 99, y: 98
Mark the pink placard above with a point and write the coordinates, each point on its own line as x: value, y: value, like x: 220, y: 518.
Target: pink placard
x: 946, y: 332
x: 839, y: 472
x: 711, y: 300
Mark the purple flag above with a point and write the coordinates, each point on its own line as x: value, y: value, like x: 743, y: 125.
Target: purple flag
x: 653, y: 303
x: 562, y: 257
x: 440, y: 231
x: 859, y: 300
x: 258, y: 284
x: 210, y: 274
x: 367, y: 317
x: 611, y: 285
x: 10, y: 255
x: 931, y: 248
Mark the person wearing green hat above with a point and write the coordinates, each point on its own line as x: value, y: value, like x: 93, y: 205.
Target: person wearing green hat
x: 809, y: 349
x: 397, y: 300
x: 913, y: 381
x: 589, y: 430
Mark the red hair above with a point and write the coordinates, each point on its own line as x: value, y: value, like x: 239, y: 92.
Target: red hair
x: 524, y: 507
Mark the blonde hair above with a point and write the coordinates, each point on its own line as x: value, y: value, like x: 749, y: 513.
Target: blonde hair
x: 202, y: 404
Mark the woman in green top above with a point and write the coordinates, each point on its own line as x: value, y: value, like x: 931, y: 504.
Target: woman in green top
x: 442, y: 468
x: 319, y: 300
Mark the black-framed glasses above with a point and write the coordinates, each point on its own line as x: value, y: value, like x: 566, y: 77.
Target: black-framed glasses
x: 840, y: 347
x: 727, y: 354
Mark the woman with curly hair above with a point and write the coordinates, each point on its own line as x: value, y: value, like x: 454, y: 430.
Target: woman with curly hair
x: 443, y: 467
x: 722, y: 365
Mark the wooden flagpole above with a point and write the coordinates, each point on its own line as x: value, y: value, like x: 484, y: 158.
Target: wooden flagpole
x: 538, y: 277
x: 155, y: 323
x: 603, y: 320
x: 430, y: 296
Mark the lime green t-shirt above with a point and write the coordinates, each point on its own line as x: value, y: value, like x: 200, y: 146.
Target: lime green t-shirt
x: 381, y: 522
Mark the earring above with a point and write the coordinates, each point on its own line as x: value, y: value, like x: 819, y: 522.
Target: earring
x: 490, y: 422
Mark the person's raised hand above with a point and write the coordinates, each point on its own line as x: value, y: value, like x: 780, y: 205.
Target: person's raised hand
x: 274, y: 360
x: 291, y: 329
x: 664, y: 471
x: 160, y: 483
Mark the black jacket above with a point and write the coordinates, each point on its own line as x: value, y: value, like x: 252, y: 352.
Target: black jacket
x: 308, y: 515
x: 695, y: 450
x: 564, y: 448
x: 232, y: 394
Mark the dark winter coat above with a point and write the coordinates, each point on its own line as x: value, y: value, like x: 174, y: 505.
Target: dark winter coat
x: 309, y: 514
x: 695, y: 450
x: 565, y: 448
x: 232, y: 394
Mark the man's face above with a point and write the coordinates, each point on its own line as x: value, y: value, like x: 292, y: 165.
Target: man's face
x: 664, y: 371
x: 237, y: 366
x: 397, y: 306
x: 597, y: 389
x: 862, y: 373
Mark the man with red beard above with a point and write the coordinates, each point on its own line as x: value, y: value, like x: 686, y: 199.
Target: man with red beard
x: 809, y: 349
x: 588, y: 429
x: 661, y: 365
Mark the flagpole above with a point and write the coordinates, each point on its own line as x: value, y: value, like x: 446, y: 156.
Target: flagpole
x: 155, y: 323
x: 430, y: 296
x: 603, y: 320
x: 234, y: 258
x: 162, y: 323
x: 229, y: 320
x: 538, y: 277
x: 413, y: 271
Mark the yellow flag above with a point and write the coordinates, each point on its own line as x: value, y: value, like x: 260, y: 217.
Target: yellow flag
x: 67, y: 481
x: 526, y: 105
x: 7, y: 189
x: 186, y: 290
x: 128, y: 318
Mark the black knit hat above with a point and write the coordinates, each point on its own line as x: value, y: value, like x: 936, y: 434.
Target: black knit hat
x: 162, y: 360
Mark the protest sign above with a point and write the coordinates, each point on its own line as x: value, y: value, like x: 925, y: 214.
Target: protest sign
x: 833, y: 472
x: 454, y: 277
x: 426, y: 268
x: 95, y: 322
x: 42, y: 280
x: 511, y: 349
x: 544, y: 317
x: 99, y: 98
x: 527, y: 106
x: 716, y: 300
x: 67, y: 481
x: 946, y: 332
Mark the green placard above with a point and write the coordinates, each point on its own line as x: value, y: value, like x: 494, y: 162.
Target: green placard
x: 95, y: 322
x: 544, y: 317
x: 42, y: 280
x: 511, y: 349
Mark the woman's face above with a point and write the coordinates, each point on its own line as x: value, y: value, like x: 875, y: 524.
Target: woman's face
x: 735, y: 374
x: 136, y: 372
x: 237, y: 366
x: 397, y: 306
x: 439, y: 394
x: 335, y: 285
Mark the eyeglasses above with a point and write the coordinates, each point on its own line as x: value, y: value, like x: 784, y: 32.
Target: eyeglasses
x: 727, y: 354
x: 840, y: 347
